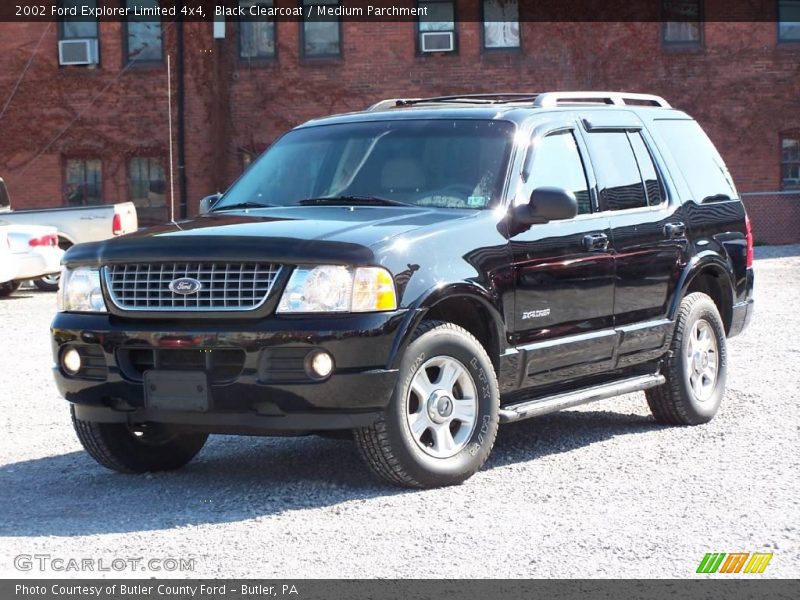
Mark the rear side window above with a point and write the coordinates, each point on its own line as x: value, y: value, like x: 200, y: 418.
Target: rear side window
x: 652, y: 185
x: 701, y: 165
x: 617, y: 172
x: 557, y: 163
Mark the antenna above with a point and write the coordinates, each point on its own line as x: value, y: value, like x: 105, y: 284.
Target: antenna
x: 171, y: 162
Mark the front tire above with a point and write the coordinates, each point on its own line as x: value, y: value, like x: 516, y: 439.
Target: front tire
x: 139, y: 449
x: 441, y: 422
x: 696, y: 367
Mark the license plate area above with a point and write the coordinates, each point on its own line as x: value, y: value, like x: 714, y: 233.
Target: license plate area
x: 177, y: 390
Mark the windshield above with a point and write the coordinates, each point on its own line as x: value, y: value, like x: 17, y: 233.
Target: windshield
x: 437, y: 163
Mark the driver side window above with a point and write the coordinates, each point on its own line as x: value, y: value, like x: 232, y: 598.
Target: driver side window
x: 557, y: 163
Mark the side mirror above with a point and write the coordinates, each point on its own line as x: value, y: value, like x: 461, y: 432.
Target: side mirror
x: 207, y: 203
x: 547, y: 204
x: 5, y: 198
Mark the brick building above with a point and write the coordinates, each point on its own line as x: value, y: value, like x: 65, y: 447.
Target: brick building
x: 99, y: 132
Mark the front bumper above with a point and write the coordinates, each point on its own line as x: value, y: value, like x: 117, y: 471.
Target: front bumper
x: 264, y: 391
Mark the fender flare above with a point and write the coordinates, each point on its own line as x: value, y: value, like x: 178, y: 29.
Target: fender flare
x: 703, y: 261
x: 435, y: 295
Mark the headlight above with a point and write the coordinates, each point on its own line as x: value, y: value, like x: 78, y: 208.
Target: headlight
x: 338, y: 289
x: 79, y: 290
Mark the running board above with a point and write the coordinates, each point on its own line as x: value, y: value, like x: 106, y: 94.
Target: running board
x: 548, y: 404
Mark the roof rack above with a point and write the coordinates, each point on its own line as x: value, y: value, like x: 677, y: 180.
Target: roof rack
x: 499, y: 98
x: 547, y: 99
x: 551, y: 99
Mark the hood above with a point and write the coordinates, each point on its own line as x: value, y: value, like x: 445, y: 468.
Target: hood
x: 296, y: 234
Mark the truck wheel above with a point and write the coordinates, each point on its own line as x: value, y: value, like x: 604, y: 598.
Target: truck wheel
x: 8, y: 288
x: 696, y: 367
x: 48, y: 283
x: 127, y: 449
x: 441, y: 422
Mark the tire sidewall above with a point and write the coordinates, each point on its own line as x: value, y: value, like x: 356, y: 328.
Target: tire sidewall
x: 705, y: 410
x: 422, y: 466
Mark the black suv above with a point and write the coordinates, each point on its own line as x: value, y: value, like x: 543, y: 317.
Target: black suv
x: 416, y: 274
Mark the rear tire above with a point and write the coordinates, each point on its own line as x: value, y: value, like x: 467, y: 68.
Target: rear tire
x: 441, y: 422
x: 8, y: 288
x: 126, y: 449
x: 696, y: 367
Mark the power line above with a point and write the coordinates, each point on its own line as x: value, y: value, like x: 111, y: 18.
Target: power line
x: 24, y: 71
x: 85, y: 108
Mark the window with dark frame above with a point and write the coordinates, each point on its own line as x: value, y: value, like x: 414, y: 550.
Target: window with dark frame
x: 83, y: 182
x: 647, y: 168
x: 147, y: 184
x: 619, y: 180
x: 682, y: 22
x: 321, y: 33
x: 500, y: 24
x: 77, y: 28
x: 789, y: 20
x: 790, y: 162
x: 256, y: 34
x: 143, y: 35
x: 437, y: 30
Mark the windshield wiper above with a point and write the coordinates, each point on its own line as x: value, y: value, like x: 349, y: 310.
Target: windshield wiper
x: 352, y: 200
x: 248, y: 204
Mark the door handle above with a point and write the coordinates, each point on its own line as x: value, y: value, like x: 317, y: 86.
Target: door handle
x: 674, y: 230
x: 595, y: 241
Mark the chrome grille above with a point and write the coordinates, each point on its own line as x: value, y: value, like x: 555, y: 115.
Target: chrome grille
x: 223, y: 286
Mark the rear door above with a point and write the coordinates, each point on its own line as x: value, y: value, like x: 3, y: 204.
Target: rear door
x: 564, y: 270
x: 648, y: 233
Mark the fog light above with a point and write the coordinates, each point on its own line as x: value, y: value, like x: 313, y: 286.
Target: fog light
x: 320, y: 365
x: 71, y: 361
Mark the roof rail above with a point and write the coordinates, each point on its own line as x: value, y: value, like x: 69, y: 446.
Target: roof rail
x: 551, y: 99
x: 496, y: 98
x: 548, y: 99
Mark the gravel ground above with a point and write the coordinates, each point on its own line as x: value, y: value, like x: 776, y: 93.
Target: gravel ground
x: 600, y: 491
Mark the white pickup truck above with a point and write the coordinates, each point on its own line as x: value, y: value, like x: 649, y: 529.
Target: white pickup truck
x: 75, y: 225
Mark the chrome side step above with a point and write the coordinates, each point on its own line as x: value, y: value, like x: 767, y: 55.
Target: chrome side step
x: 548, y: 404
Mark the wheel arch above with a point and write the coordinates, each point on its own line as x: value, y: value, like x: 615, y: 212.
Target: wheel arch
x: 463, y: 304
x: 711, y: 275
x: 65, y: 241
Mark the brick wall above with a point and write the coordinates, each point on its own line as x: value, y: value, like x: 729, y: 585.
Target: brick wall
x: 742, y: 86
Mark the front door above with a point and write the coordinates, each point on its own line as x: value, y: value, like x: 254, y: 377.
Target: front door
x: 564, y: 272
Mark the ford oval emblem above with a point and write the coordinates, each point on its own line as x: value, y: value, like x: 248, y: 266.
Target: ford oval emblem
x: 185, y: 286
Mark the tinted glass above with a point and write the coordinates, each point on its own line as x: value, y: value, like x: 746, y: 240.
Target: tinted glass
x: 320, y: 33
x: 701, y: 165
x: 500, y: 24
x: 617, y: 172
x: 83, y: 182
x: 439, y: 15
x: 652, y: 184
x: 790, y: 162
x: 789, y: 20
x: 144, y: 34
x: 557, y: 163
x: 256, y: 34
x: 439, y: 163
x: 78, y: 27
